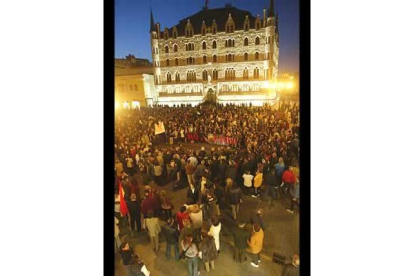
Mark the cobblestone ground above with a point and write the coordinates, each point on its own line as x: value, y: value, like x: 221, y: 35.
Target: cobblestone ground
x: 281, y: 236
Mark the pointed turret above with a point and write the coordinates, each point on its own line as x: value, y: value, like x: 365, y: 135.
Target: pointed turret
x: 152, y: 25
x: 271, y: 12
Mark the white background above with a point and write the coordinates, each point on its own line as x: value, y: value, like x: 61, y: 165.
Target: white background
x: 51, y: 119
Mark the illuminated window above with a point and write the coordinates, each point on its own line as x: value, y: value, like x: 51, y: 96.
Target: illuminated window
x: 256, y: 73
x: 177, y: 77
x: 204, y: 45
x: 215, y: 74
x: 245, y: 74
x: 205, y: 75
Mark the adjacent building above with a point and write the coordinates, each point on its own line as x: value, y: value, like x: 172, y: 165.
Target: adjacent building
x: 225, y: 55
x: 134, y: 82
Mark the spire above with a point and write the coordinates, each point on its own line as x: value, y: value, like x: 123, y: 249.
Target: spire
x: 277, y: 22
x: 271, y: 9
x: 152, y: 26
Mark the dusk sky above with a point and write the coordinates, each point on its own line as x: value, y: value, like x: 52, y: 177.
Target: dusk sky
x: 132, y: 23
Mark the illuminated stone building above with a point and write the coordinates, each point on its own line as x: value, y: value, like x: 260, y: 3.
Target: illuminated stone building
x: 225, y: 55
x: 134, y: 82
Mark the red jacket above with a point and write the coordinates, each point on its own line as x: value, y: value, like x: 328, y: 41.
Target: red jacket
x: 180, y: 218
x: 288, y: 177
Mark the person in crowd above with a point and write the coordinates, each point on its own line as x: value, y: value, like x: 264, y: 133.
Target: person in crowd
x: 148, y: 203
x: 153, y: 226
x: 256, y: 244
x: 257, y: 218
x: 258, y: 180
x: 158, y: 171
x: 288, y: 179
x: 201, y: 168
x: 294, y: 192
x: 235, y: 198
x: 171, y: 235
x: 166, y: 205
x: 240, y: 236
x: 134, y: 208
x: 279, y: 169
x: 137, y: 267
x: 193, y: 193
x: 208, y: 251
x: 292, y: 269
x: 270, y: 182
x: 181, y: 216
x: 116, y: 230
x: 126, y: 252
x: 191, y: 254
x: 215, y: 232
x: 196, y: 219
x: 231, y: 171
x: 190, y: 171
x: 219, y: 195
x: 187, y: 230
x: 248, y: 178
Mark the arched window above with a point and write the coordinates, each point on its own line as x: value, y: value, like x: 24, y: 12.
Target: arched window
x: 204, y: 45
x: 176, y: 61
x: 246, y: 42
x: 168, y: 77
x: 215, y: 74
x: 156, y: 50
x: 256, y: 56
x: 226, y: 44
x: 214, y: 58
x: 256, y: 73
x: 177, y: 77
x: 257, y: 24
x: 257, y: 41
x: 166, y: 49
x: 204, y: 59
x: 214, y: 44
x: 175, y: 48
x: 205, y: 75
x: 135, y: 87
x: 245, y: 74
x: 168, y: 62
x: 246, y: 56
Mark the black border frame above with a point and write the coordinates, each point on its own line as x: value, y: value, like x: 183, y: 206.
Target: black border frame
x: 109, y: 116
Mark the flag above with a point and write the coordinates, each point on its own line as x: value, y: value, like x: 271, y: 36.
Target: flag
x: 123, y: 206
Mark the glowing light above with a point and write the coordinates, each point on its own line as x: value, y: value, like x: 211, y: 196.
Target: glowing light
x: 126, y: 105
x: 289, y: 85
x: 136, y: 104
x: 117, y: 105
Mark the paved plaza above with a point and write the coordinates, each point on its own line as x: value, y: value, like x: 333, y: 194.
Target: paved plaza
x: 281, y: 236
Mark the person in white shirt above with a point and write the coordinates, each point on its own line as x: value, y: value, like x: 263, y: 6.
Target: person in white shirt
x: 248, y: 179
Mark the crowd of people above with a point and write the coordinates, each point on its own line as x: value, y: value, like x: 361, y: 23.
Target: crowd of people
x: 263, y: 163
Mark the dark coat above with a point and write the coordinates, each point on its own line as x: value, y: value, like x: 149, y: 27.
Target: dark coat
x: 235, y: 196
x: 208, y: 249
x: 134, y: 208
x: 240, y: 237
x: 270, y: 180
x: 231, y: 172
x: 195, y: 196
x: 127, y: 256
x: 171, y: 234
x: 290, y: 270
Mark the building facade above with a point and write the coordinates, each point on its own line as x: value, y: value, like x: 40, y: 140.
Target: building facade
x: 134, y: 83
x: 224, y: 55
